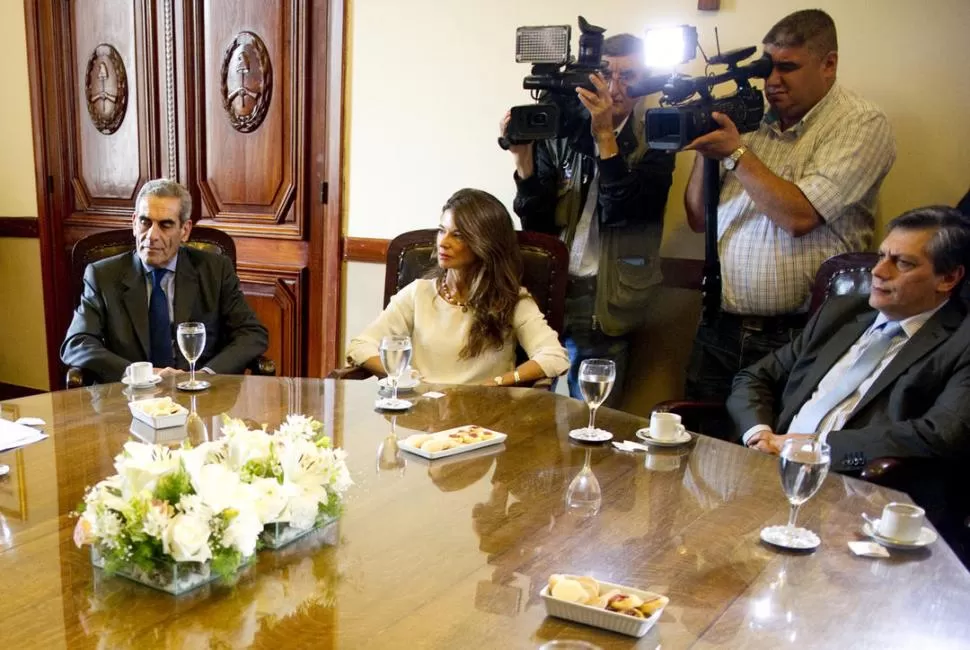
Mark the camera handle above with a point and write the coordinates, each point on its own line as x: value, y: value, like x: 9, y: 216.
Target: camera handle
x: 711, y: 281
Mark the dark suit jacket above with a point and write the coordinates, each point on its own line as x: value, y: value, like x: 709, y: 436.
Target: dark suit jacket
x: 919, y: 407
x: 110, y: 326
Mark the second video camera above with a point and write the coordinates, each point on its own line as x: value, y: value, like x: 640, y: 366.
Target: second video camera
x: 683, y: 119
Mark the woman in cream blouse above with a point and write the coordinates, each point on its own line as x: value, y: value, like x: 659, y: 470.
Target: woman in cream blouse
x: 467, y: 316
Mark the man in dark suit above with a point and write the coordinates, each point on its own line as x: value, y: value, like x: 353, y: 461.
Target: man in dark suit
x: 130, y: 302
x: 915, y: 401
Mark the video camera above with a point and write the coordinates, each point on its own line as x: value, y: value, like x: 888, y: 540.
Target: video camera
x: 680, y: 121
x: 553, y: 82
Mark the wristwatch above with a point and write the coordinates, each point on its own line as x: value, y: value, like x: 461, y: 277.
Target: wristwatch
x: 732, y: 161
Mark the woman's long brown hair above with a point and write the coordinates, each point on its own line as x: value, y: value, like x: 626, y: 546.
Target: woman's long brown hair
x: 493, y: 282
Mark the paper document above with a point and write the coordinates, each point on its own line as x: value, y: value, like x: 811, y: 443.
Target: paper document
x: 14, y: 435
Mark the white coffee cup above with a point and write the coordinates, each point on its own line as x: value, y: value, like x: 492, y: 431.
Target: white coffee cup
x: 139, y: 372
x: 665, y: 426
x: 901, y: 521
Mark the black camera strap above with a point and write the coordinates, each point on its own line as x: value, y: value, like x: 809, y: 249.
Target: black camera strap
x: 711, y: 281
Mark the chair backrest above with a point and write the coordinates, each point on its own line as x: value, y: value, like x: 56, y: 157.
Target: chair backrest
x: 846, y: 274
x: 545, y: 267
x: 105, y: 244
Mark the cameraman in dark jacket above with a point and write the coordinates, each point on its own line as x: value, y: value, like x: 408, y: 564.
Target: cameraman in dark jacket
x: 603, y: 193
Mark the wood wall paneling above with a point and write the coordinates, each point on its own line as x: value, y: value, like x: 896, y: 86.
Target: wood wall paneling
x: 276, y: 297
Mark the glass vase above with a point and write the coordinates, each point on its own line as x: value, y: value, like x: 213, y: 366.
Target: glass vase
x: 171, y: 577
x: 279, y: 534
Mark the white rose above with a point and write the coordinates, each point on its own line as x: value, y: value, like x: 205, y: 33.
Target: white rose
x: 187, y: 539
x: 242, y: 532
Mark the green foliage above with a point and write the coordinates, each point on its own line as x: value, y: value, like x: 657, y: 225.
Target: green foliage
x: 172, y: 486
x: 225, y: 561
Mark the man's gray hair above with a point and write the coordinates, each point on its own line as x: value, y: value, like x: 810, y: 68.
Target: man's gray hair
x: 166, y: 188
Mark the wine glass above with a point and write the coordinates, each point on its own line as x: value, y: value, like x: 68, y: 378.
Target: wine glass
x: 191, y: 340
x: 195, y: 426
x: 803, y: 466
x: 584, y: 496
x: 395, y: 357
x: 596, y: 378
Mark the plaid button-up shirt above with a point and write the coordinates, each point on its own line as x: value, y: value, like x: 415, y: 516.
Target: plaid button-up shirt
x: 837, y: 155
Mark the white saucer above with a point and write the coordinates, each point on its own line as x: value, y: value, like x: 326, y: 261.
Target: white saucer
x: 926, y: 537
x: 644, y: 435
x: 144, y: 384
x: 802, y: 540
x: 590, y: 435
x: 406, y: 383
x: 388, y: 404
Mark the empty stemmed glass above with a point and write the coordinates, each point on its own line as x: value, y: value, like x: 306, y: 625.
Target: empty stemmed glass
x: 803, y: 465
x: 191, y: 341
x: 395, y: 354
x: 596, y: 378
x: 584, y: 496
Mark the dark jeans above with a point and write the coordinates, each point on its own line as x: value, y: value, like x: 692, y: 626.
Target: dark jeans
x: 723, y: 348
x: 584, y: 341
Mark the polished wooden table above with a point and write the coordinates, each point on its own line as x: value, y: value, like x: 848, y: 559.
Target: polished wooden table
x: 453, y: 554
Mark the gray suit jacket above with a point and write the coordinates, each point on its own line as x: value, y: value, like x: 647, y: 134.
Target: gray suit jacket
x: 110, y: 326
x: 919, y: 406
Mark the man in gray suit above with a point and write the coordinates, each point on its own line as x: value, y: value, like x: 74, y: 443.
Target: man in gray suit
x: 130, y: 302
x: 914, y: 399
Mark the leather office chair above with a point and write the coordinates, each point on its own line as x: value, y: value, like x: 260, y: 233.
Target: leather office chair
x: 105, y: 244
x: 545, y: 263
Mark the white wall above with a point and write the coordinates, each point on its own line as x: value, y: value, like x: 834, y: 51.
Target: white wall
x: 429, y: 80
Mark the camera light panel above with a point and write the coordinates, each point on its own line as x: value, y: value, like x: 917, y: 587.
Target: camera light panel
x: 666, y: 47
x: 545, y: 44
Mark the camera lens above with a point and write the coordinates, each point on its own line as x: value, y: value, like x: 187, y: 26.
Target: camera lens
x: 539, y: 119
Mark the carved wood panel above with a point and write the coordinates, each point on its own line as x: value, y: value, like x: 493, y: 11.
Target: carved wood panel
x: 277, y: 297
x: 112, y: 117
x: 249, y: 115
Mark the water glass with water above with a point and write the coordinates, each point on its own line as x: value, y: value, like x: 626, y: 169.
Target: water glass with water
x: 395, y: 352
x: 191, y: 341
x: 596, y: 378
x: 803, y: 465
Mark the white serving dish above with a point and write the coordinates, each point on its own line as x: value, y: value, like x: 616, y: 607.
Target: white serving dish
x: 603, y: 618
x: 496, y: 439
x: 157, y: 421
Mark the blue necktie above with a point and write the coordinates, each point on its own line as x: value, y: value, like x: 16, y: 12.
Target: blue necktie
x: 159, y: 323
x: 811, y: 415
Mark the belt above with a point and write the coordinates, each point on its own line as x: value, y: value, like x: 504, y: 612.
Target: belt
x: 578, y: 286
x: 778, y: 323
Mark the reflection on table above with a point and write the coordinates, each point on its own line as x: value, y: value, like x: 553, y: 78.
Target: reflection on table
x: 453, y: 552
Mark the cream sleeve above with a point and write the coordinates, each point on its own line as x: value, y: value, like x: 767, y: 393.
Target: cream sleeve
x: 539, y: 340
x: 396, y: 319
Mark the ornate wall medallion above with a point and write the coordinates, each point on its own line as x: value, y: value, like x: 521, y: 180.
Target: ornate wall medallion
x: 106, y: 89
x: 247, y: 82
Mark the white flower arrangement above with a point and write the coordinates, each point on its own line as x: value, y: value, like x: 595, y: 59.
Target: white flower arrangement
x: 210, y: 503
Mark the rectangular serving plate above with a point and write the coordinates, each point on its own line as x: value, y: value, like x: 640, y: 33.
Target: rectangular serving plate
x: 158, y: 422
x: 603, y: 618
x: 496, y: 439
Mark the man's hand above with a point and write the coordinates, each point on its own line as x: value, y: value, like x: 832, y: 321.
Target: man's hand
x: 720, y: 143
x: 167, y: 372
x: 522, y: 153
x: 771, y: 443
x: 599, y: 105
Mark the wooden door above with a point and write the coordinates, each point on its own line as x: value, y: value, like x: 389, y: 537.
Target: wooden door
x: 237, y: 99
